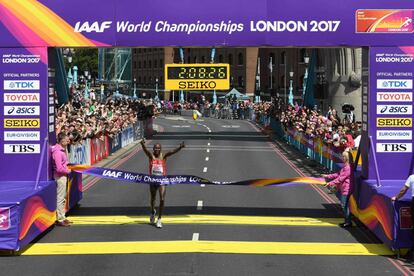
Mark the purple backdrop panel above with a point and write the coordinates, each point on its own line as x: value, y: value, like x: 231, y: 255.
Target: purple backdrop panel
x: 206, y: 23
x: 25, y: 212
x: 390, y: 113
x: 37, y: 213
x: 75, y: 190
x: 24, y: 110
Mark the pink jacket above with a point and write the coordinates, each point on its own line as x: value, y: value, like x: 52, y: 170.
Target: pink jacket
x: 60, y: 161
x: 342, y: 180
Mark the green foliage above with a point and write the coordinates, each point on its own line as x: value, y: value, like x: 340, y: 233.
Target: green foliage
x: 86, y: 59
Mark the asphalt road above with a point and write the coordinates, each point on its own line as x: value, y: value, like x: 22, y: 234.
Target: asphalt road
x: 208, y: 230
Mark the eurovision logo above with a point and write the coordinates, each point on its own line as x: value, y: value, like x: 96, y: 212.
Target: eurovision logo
x: 384, y: 21
x: 4, y: 218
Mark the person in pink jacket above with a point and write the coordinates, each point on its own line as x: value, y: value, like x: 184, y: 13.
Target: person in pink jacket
x: 60, y: 173
x: 343, y: 181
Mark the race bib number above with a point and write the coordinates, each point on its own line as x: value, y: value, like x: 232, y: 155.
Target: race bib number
x: 157, y: 170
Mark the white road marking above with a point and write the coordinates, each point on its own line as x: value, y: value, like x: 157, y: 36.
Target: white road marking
x: 199, y: 205
x: 207, y: 158
x: 196, y: 236
x: 231, y: 126
x: 205, y: 169
x: 208, y: 144
x: 208, y: 150
x: 203, y: 185
x: 179, y: 126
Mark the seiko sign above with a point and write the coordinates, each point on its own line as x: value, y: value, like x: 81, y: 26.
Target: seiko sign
x: 395, y: 109
x: 21, y: 85
x: 21, y: 97
x: 394, y: 96
x: 21, y: 110
x: 22, y: 136
x: 21, y: 148
x: 394, y: 122
x: 22, y: 123
x: 394, y: 84
x: 394, y: 134
x: 394, y: 147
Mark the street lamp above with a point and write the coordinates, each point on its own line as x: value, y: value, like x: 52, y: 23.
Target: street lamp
x: 135, y: 88
x: 156, y: 90
x: 86, y: 92
x: 305, y: 78
x: 70, y: 77
x: 291, y: 87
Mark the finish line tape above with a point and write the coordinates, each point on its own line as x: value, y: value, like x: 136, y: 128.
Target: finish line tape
x: 187, y: 179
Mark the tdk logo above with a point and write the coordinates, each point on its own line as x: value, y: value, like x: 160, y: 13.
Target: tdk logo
x: 21, y: 85
x: 394, y: 84
x: 92, y: 27
x: 394, y: 147
x: 395, y: 109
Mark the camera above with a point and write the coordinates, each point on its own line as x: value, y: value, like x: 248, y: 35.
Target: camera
x: 347, y: 108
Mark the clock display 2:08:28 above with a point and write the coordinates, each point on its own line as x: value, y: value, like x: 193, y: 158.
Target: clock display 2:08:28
x: 210, y: 72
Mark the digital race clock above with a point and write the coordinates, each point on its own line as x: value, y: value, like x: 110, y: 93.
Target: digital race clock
x: 197, y: 76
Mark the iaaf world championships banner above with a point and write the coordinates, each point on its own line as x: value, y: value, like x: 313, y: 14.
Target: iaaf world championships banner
x: 91, y: 23
x: 187, y: 179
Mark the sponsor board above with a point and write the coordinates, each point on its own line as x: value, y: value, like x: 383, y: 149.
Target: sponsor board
x: 51, y: 128
x: 21, y: 110
x: 395, y: 109
x: 394, y: 122
x: 21, y: 148
x: 394, y: 147
x: 394, y: 96
x: 394, y: 84
x: 5, y: 221
x: 21, y: 97
x: 22, y: 136
x: 21, y: 85
x: 384, y: 21
x: 394, y: 135
x: 51, y: 110
x: 22, y: 123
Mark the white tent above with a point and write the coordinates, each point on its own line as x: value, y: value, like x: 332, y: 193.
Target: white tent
x: 235, y: 93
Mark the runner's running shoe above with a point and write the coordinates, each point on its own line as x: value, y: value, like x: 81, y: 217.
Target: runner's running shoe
x: 159, y: 224
x: 152, y: 218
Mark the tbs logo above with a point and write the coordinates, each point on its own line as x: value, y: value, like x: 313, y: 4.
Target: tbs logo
x: 21, y: 85
x: 4, y: 218
x: 394, y: 84
x: 394, y: 147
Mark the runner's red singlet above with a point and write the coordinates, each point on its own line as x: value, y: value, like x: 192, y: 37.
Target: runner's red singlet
x: 157, y: 166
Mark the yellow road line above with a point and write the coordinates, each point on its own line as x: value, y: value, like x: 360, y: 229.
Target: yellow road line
x: 208, y: 219
x: 229, y: 247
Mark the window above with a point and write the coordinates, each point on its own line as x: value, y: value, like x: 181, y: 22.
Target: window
x: 240, y: 59
x: 282, y: 58
x: 195, y: 59
x: 135, y: 64
x: 139, y: 79
x: 145, y: 64
x: 139, y: 64
x: 240, y: 81
x: 145, y: 80
x: 155, y: 64
x: 203, y: 59
x: 230, y: 59
x: 302, y: 54
x: 220, y: 59
x: 188, y: 59
x: 161, y: 62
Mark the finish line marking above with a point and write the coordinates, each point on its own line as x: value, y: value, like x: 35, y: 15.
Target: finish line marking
x: 196, y: 236
x: 226, y: 247
x: 208, y: 219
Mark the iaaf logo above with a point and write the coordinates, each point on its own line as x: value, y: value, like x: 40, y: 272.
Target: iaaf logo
x: 4, y: 218
x: 394, y: 96
x: 21, y: 85
x: 395, y: 109
x: 394, y: 84
x: 21, y: 110
x: 394, y: 147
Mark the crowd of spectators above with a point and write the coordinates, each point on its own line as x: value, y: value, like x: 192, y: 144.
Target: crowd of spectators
x: 83, y: 118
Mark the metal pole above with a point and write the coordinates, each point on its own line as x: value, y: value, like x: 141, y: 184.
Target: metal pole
x: 284, y: 61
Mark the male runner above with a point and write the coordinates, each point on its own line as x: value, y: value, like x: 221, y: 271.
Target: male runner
x: 157, y: 167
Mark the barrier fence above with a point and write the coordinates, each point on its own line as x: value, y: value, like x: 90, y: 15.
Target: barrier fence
x: 94, y: 150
